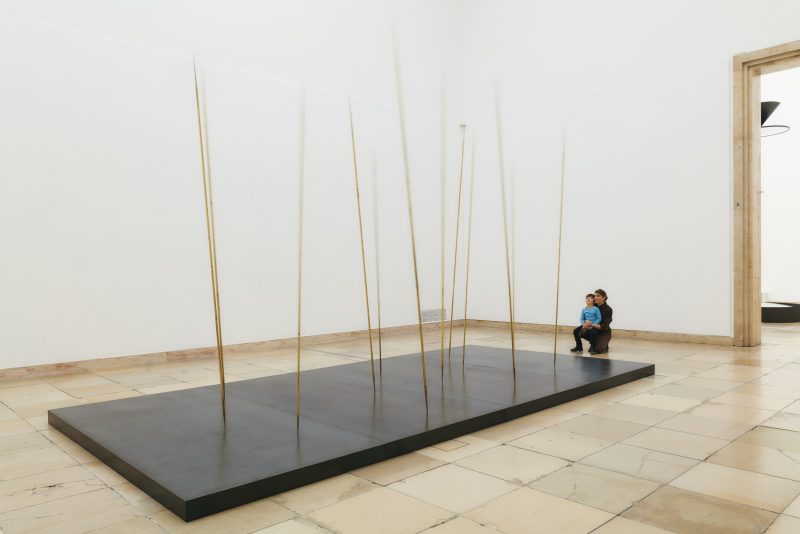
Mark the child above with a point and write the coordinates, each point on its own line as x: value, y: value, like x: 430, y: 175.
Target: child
x: 589, y: 315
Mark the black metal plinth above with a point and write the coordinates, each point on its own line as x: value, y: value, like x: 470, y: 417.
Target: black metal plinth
x: 175, y: 447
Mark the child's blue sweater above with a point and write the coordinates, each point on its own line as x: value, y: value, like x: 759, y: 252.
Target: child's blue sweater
x: 593, y: 314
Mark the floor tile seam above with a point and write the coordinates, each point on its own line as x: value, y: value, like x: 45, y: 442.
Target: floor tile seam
x: 399, y: 479
x: 697, y: 462
x: 147, y: 517
x: 401, y: 493
x: 62, y: 449
x: 36, y: 447
x: 659, y: 485
x: 61, y: 499
x: 730, y: 500
x: 89, y: 490
x: 708, y: 461
x: 610, y: 444
x: 728, y: 442
x: 518, y: 485
x: 707, y: 436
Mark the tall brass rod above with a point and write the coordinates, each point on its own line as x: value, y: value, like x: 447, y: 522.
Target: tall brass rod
x: 212, y: 250
x: 361, y: 238
x: 458, y: 224
x: 403, y: 136
x: 505, y: 224
x: 377, y: 256
x: 560, y: 228
x: 442, y: 207
x: 514, y: 242
x: 301, y: 195
x: 469, y: 248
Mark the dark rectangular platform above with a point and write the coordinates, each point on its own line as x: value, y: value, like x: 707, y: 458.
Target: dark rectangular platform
x: 175, y: 447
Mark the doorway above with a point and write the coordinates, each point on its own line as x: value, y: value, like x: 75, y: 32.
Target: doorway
x: 747, y: 71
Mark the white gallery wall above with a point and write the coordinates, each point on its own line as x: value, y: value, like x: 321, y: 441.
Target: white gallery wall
x: 104, y: 236
x: 780, y: 183
x: 643, y: 90
x: 105, y: 250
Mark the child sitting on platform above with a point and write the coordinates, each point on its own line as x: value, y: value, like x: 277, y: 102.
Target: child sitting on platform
x: 589, y: 315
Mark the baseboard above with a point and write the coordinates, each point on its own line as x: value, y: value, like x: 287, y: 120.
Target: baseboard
x: 80, y: 366
x: 646, y: 335
x: 35, y: 371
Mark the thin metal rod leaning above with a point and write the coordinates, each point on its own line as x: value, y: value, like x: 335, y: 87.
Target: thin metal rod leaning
x: 361, y: 238
x: 513, y: 184
x: 212, y: 248
x: 301, y: 194
x: 505, y: 223
x: 442, y: 207
x: 469, y: 249
x: 560, y: 227
x: 455, y: 253
x: 403, y: 136
x: 377, y: 256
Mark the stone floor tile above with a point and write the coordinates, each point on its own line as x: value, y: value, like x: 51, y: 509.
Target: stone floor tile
x: 31, y: 461
x: 744, y: 487
x: 459, y: 525
x: 787, y: 421
x: 753, y: 401
x: 733, y: 372
x: 640, y: 463
x: 324, y: 493
x: 561, y: 444
x: 784, y: 525
x: 515, y: 465
x: 677, y: 510
x: 15, y: 426
x: 139, y: 499
x: 380, y: 510
x: 137, y: 525
x: 241, y: 520
x: 706, y: 426
x: 685, y: 391
x: 678, y: 443
x: 453, y: 488
x: 76, y: 513
x: 450, y: 454
x: 47, y: 486
x: 621, y: 525
x: 710, y: 383
x: 634, y: 414
x: 776, y: 462
x: 298, y: 525
x: 662, y: 402
x: 551, y: 416
x: 606, y: 490
x: 390, y: 471
x: 729, y: 412
x: 526, y: 510
x: 601, y: 427
x: 511, y: 430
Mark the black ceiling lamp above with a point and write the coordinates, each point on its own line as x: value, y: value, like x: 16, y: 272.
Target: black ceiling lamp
x: 773, y: 129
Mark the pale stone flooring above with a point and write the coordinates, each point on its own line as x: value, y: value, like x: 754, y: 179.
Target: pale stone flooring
x: 710, y: 444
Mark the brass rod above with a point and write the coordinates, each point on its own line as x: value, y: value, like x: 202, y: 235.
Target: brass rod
x: 560, y: 228
x: 403, y: 137
x: 377, y: 256
x: 455, y: 253
x: 301, y: 194
x: 212, y: 250
x: 513, y: 244
x: 361, y: 238
x: 505, y: 223
x: 442, y: 207
x: 469, y: 248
